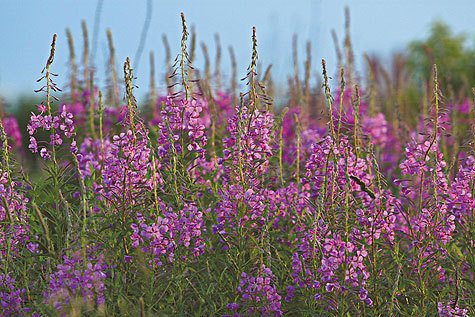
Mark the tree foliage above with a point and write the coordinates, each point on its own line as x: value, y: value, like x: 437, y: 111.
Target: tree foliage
x: 453, y: 53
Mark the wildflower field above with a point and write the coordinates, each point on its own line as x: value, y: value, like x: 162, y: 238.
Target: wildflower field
x: 352, y: 197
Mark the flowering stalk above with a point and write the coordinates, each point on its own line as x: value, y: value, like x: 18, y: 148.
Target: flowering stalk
x: 240, y: 152
x: 342, y: 91
x: 306, y: 106
x: 183, y: 60
x: 5, y: 154
x: 91, y: 106
x: 252, y: 74
x: 184, y: 57
x: 298, y: 86
x: 192, y: 53
x: 348, y: 47
x: 74, y: 67
x: 281, y: 146
x: 372, y: 85
x: 113, y: 89
x: 253, y: 99
x: 85, y: 55
x: 217, y: 73
x: 434, y: 137
x: 207, y: 71
x: 298, y: 148
x: 83, y: 189
x: 128, y: 76
x: 101, y: 136
x: 169, y: 72
x: 330, y: 101
x: 153, y: 89
x: 356, y: 111
x: 234, y: 75
x: 329, y: 98
x: 50, y: 86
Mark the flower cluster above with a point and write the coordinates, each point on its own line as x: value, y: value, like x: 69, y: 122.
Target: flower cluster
x: 342, y: 269
x: 334, y: 170
x: 91, y: 156
x: 249, y: 142
x: 162, y: 238
x: 243, y: 200
x: 182, y: 125
x: 10, y: 125
x: 61, y: 125
x: 126, y: 165
x: 175, y: 208
x: 460, y: 201
x: 451, y: 310
x: 11, y: 297
x: 378, y: 129
x: 14, y: 232
x: 80, y: 276
x: 258, y: 295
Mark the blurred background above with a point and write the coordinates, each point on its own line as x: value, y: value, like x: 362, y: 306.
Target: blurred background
x: 377, y: 27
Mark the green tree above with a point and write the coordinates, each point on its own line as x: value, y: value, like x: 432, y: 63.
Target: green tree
x: 453, y: 54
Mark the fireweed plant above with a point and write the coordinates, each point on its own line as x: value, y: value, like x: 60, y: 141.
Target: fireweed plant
x: 209, y: 201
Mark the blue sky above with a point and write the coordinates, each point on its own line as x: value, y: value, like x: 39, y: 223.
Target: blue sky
x: 377, y: 26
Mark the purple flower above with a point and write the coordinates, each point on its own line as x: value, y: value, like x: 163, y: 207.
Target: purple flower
x: 233, y: 306
x: 257, y: 293
x: 41, y: 108
x: 75, y: 278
